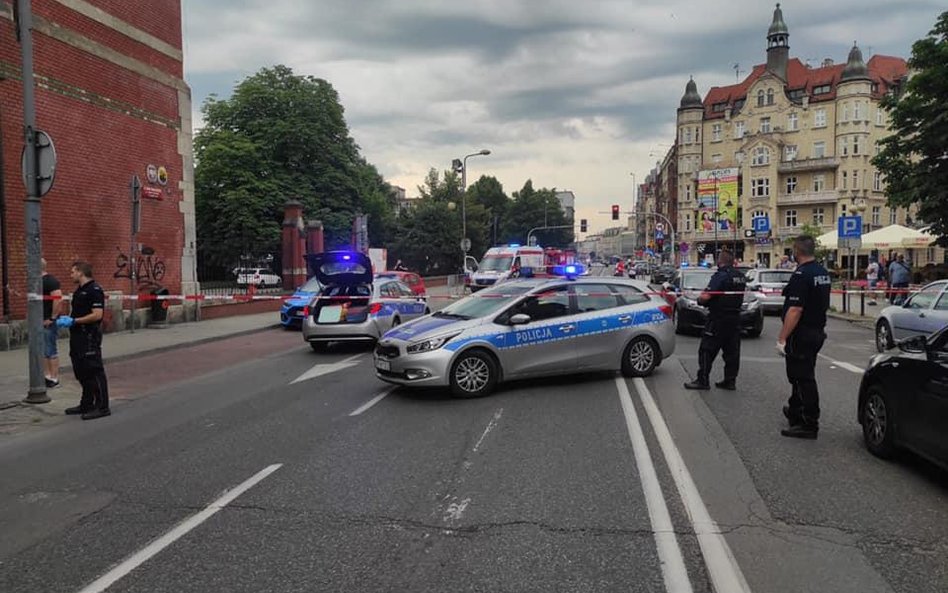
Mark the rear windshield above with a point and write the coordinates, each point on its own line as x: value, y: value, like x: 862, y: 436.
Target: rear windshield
x: 783, y: 277
x: 331, y: 268
x: 695, y: 280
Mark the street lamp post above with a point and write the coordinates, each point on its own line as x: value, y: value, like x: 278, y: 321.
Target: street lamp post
x: 483, y: 152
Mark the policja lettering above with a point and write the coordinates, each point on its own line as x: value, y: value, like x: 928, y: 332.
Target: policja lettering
x: 534, y: 335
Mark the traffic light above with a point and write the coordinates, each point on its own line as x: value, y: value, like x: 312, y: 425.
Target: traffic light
x: 615, y: 212
x: 582, y: 225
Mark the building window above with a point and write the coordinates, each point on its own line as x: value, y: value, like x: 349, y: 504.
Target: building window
x: 844, y: 183
x: 880, y: 116
x: 819, y: 182
x: 697, y: 135
x: 688, y: 222
x: 876, y: 215
x: 856, y: 179
x: 793, y: 122
x: 739, y: 129
x: 770, y: 96
x: 760, y: 187
x: 719, y: 107
x: 765, y: 125
x: 717, y: 158
x: 761, y: 156
x: 855, y: 145
x: 760, y: 98
x: 688, y: 192
x: 790, y: 218
x: 716, y: 133
x: 819, y: 216
x: 791, y: 185
x: 819, y: 149
x: 819, y: 118
x: 844, y: 146
x: 759, y: 214
x: 790, y: 152
x: 688, y: 136
x: 857, y: 111
x: 842, y: 209
x: 877, y: 181
x: 893, y: 215
x: 845, y: 116
x: 821, y: 90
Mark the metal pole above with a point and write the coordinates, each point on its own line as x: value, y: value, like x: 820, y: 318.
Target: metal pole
x: 34, y: 282
x: 464, y: 200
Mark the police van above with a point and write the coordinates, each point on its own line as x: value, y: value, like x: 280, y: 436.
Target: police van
x: 503, y: 263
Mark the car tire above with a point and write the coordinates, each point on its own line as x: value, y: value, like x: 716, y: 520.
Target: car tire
x: 427, y: 311
x: 758, y: 328
x: 878, y: 423
x: 676, y: 321
x: 319, y: 347
x: 884, y: 339
x: 640, y: 357
x: 473, y: 374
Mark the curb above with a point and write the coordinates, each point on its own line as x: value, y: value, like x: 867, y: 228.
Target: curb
x: 865, y: 322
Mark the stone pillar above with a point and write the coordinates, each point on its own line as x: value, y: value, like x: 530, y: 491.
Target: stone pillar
x: 294, y: 245
x: 315, y: 237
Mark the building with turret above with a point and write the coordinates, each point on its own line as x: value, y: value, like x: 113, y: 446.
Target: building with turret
x: 790, y: 145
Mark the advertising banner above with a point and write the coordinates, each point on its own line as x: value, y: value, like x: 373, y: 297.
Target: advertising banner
x: 716, y: 189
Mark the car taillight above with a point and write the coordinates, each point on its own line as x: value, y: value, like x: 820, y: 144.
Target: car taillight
x: 666, y: 310
x: 375, y: 308
x: 306, y: 311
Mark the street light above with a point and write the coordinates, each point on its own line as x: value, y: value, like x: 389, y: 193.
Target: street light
x: 482, y: 152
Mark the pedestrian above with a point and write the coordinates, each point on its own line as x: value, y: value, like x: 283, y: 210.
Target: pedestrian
x: 785, y: 263
x: 872, y: 279
x: 52, y: 306
x: 806, y: 300
x: 85, y: 343
x: 900, y: 274
x: 723, y: 298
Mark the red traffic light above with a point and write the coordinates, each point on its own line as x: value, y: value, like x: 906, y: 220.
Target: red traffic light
x: 615, y: 212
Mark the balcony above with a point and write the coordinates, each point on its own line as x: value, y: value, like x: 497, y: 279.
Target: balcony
x: 788, y: 232
x: 802, y: 165
x: 809, y: 197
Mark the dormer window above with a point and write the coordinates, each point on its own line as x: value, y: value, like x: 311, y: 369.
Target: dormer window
x: 823, y: 89
x: 770, y: 96
x: 719, y: 107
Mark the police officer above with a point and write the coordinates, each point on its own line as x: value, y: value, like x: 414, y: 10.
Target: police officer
x: 85, y: 343
x: 806, y: 299
x: 723, y: 298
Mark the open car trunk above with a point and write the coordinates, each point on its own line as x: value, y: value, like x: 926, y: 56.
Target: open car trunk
x: 342, y: 304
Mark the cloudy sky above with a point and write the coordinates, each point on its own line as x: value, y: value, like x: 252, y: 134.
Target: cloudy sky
x: 572, y: 94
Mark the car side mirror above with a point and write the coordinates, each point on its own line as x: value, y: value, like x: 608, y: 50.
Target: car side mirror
x: 753, y: 287
x: 913, y: 345
x: 520, y: 319
x: 668, y: 286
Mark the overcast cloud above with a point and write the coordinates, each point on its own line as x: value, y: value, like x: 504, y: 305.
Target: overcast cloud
x: 572, y: 94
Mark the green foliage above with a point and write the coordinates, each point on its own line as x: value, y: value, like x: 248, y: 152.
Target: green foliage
x: 532, y: 208
x: 914, y: 158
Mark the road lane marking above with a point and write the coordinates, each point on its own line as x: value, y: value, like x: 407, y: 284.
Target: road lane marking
x: 179, y: 531
x: 372, y: 402
x: 320, y: 368
x: 843, y: 365
x: 725, y: 574
x: 490, y: 427
x: 669, y: 552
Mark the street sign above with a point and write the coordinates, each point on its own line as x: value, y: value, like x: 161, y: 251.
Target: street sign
x: 659, y: 235
x: 849, y: 242
x: 761, y: 224
x: 45, y: 163
x: 136, y: 188
x: 750, y: 233
x: 850, y: 226
x: 465, y: 244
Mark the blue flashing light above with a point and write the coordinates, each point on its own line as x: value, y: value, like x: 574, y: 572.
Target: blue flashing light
x: 571, y: 270
x: 347, y: 257
x: 684, y: 264
x: 514, y: 245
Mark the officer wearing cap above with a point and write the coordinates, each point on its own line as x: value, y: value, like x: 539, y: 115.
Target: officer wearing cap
x: 722, y: 332
x: 806, y: 299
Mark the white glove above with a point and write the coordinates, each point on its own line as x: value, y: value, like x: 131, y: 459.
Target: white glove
x: 782, y: 348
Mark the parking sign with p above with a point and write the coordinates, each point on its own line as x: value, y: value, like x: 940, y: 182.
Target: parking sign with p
x: 850, y: 227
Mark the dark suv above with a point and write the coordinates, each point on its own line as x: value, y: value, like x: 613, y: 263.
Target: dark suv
x: 682, y: 292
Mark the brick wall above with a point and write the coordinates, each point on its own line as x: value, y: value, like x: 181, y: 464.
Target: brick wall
x: 108, y: 122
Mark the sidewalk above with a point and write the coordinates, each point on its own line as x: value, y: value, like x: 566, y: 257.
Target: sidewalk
x: 854, y: 311
x: 14, y: 364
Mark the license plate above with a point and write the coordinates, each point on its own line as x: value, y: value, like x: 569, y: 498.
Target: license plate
x: 383, y: 365
x: 299, y: 313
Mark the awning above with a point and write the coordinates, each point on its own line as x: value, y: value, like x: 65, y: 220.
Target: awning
x: 925, y: 240
x: 895, y: 236
x: 828, y: 240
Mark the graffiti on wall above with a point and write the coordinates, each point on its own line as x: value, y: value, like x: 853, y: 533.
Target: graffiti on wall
x: 150, y: 269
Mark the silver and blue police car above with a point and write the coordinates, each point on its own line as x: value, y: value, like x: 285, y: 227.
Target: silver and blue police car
x: 354, y: 304
x: 529, y: 328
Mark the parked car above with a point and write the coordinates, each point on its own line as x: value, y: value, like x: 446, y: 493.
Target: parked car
x: 662, y: 274
x: 767, y: 287
x: 291, y: 313
x: 689, y: 317
x: 354, y: 305
x: 903, y: 399
x: 411, y: 279
x: 922, y: 314
x: 259, y: 277
x: 528, y: 328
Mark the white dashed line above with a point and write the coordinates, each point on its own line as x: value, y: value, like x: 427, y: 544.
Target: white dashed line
x: 843, y: 365
x: 372, y: 402
x: 182, y: 529
x: 490, y: 427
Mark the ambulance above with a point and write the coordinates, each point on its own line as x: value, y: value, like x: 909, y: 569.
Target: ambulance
x: 503, y: 263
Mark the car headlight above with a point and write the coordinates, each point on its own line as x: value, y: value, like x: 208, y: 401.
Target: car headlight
x: 429, y: 344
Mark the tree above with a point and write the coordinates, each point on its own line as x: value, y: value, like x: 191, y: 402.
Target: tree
x: 536, y: 208
x: 280, y: 136
x: 914, y: 159
x: 489, y: 193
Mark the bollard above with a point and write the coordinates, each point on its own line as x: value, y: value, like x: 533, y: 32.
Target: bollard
x: 862, y: 304
x: 845, y: 298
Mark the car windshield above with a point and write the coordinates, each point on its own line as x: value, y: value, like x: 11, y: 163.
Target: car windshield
x: 495, y: 263
x: 781, y: 276
x: 486, y: 302
x: 312, y: 285
x: 695, y: 280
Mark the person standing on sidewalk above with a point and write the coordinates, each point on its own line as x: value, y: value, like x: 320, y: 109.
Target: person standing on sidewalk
x: 85, y: 343
x: 722, y: 332
x: 872, y: 279
x: 899, y: 275
x: 52, y: 305
x: 806, y: 300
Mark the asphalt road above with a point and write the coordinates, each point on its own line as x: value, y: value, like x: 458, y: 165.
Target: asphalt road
x: 544, y: 486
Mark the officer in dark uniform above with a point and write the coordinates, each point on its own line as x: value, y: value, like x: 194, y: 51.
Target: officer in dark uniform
x: 85, y: 343
x: 806, y: 299
x: 723, y: 328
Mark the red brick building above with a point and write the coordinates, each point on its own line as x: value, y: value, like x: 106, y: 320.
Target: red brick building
x: 112, y: 96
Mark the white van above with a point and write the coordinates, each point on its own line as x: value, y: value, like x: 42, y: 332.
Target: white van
x: 501, y: 263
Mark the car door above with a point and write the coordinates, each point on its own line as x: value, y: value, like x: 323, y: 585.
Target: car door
x: 411, y: 306
x: 599, y: 314
x: 917, y: 316
x: 933, y: 400
x: 546, y: 344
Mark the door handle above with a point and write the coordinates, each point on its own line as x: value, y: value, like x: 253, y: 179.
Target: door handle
x: 567, y: 328
x: 625, y: 318
x: 922, y: 315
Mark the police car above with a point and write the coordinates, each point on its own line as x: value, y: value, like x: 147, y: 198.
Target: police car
x: 291, y: 313
x: 354, y: 304
x: 528, y: 328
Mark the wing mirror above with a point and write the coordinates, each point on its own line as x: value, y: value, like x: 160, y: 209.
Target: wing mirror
x: 913, y: 345
x: 520, y: 319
